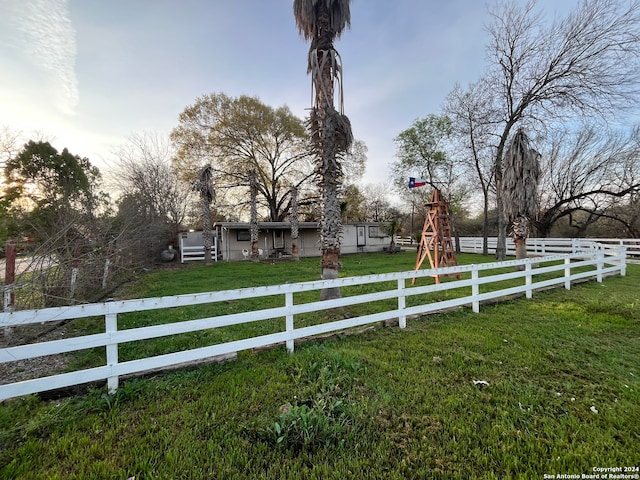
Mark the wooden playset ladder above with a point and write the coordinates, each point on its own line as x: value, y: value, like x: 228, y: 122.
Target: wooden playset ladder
x: 436, y: 242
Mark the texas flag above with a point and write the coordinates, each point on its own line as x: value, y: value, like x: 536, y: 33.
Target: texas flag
x: 416, y: 182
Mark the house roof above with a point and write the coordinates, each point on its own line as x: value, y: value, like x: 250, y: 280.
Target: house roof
x: 267, y: 225
x: 282, y: 225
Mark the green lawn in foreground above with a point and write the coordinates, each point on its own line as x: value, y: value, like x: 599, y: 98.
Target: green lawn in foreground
x: 382, y: 404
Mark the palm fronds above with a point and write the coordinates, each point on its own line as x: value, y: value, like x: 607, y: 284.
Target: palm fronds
x: 203, y: 184
x: 307, y: 13
x: 521, y: 171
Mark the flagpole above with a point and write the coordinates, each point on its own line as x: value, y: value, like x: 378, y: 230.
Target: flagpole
x: 413, y: 206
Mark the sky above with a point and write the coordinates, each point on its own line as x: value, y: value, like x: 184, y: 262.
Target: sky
x: 88, y: 74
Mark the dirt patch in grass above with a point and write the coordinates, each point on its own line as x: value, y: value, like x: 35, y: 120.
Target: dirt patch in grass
x: 20, y: 370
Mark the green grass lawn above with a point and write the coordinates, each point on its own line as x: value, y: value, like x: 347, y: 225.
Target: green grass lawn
x: 563, y: 395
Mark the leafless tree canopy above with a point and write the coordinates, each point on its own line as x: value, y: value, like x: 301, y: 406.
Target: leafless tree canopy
x: 584, y: 65
x: 592, y: 170
x: 154, y: 201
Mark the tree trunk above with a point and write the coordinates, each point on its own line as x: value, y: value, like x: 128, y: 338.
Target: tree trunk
x: 521, y: 250
x: 330, y: 271
x: 331, y: 220
x: 392, y: 245
x: 207, y: 237
x: 330, y: 230
x: 295, y: 231
x: 253, y: 225
x: 485, y: 225
x: 501, y: 246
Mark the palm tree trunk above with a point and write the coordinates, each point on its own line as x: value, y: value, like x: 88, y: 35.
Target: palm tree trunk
x: 253, y: 225
x: 322, y: 22
x: 331, y: 221
x: 207, y: 237
x: 204, y: 186
x: 520, y: 232
x: 330, y: 234
x: 293, y: 216
x: 521, y: 250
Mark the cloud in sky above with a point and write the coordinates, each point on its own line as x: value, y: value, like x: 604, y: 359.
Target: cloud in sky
x: 139, y: 63
x: 46, y: 37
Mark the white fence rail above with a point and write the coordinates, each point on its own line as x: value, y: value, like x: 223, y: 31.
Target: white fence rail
x: 594, y: 263
x: 546, y: 246
x: 541, y: 246
x: 188, y: 253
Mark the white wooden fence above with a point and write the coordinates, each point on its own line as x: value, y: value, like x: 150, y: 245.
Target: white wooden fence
x: 545, y: 246
x: 591, y: 261
x: 189, y: 253
x: 539, y: 246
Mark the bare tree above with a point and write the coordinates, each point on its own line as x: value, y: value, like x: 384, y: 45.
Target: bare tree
x: 10, y: 141
x: 473, y: 119
x: 154, y: 200
x: 586, y: 175
x: 376, y: 206
x: 586, y: 64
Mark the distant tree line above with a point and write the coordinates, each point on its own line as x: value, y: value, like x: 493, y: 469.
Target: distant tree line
x: 567, y: 85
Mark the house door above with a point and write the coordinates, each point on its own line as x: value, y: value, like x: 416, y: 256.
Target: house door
x: 362, y: 239
x: 278, y: 239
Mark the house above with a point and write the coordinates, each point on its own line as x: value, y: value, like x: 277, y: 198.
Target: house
x: 274, y: 239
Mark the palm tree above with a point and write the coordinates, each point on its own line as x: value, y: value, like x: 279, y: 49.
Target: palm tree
x: 321, y: 22
x: 393, y: 229
x: 253, y: 225
x: 293, y: 216
x: 203, y: 185
x: 521, y: 171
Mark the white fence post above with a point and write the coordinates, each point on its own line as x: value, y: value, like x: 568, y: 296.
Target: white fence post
x: 8, y: 293
x: 288, y: 303
x: 105, y: 274
x: 402, y: 304
x: 111, y: 326
x: 74, y: 281
x: 600, y: 264
x: 528, y: 281
x: 567, y: 273
x: 475, y: 290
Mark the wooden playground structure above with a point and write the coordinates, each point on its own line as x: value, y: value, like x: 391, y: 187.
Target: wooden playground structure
x: 436, y: 242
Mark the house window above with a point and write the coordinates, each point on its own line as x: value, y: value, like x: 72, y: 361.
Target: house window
x: 376, y: 232
x: 243, y: 235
